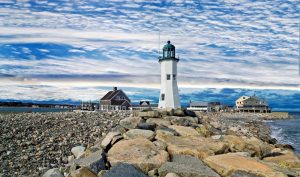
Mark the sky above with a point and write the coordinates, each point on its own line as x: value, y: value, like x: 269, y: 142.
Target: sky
x: 72, y: 50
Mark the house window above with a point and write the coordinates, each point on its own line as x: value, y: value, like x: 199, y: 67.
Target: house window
x: 162, y: 97
x: 174, y: 77
x: 168, y: 76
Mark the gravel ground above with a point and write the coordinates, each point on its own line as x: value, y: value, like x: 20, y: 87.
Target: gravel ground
x: 30, y: 143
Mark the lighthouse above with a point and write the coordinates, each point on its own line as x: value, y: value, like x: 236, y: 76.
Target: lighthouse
x: 169, y: 97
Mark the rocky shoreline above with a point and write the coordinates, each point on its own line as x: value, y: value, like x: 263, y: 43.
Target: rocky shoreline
x: 151, y: 143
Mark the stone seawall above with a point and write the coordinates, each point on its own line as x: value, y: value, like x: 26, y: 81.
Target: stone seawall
x: 155, y: 144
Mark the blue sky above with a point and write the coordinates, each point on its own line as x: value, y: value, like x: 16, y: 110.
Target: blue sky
x: 77, y: 50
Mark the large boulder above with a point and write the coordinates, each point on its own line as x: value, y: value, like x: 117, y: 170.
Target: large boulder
x: 193, y: 145
x: 184, y: 121
x: 53, y: 173
x: 189, y: 113
x: 106, y: 142
x: 149, y: 114
x: 147, y: 126
x: 124, y: 170
x: 130, y: 122
x: 139, y: 133
x: 186, y: 166
x: 78, y: 151
x: 252, y: 145
x: 178, y: 112
x: 139, y: 152
x: 94, y: 161
x: 158, y: 122
x: 184, y: 131
x: 227, y: 164
x: 286, y: 158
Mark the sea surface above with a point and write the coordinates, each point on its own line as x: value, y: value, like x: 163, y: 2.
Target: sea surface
x: 29, y: 109
x: 287, y: 131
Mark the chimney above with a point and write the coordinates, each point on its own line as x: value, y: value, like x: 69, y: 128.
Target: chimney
x: 115, y: 88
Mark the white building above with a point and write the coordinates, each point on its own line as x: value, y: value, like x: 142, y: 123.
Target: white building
x: 252, y: 104
x: 169, y: 96
x: 198, y: 106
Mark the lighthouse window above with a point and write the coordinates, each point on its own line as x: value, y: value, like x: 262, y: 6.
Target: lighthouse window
x: 168, y: 76
x: 162, y: 97
x: 174, y: 76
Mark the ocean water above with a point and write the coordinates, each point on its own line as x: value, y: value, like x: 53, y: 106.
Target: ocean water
x: 28, y: 109
x: 287, y: 131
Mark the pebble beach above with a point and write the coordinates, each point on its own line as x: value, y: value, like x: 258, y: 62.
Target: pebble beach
x: 33, y: 142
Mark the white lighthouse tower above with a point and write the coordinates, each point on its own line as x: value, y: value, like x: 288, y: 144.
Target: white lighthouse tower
x: 169, y: 97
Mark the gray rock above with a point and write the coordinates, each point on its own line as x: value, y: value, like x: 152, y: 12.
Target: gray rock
x: 186, y: 166
x: 272, y: 141
x: 53, y: 173
x: 135, y: 133
x: 108, y: 138
x: 78, y: 151
x: 95, y: 161
x: 147, y: 126
x: 130, y: 122
x: 124, y: 170
x: 239, y: 173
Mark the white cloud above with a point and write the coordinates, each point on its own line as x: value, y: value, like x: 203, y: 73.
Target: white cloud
x: 221, y: 44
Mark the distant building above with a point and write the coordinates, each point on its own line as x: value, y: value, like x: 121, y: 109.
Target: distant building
x: 198, y: 106
x: 144, y: 104
x: 86, y: 106
x: 252, y: 104
x: 209, y: 107
x: 215, y: 106
x: 115, y: 100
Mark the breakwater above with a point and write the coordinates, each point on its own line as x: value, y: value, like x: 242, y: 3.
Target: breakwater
x: 149, y: 143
